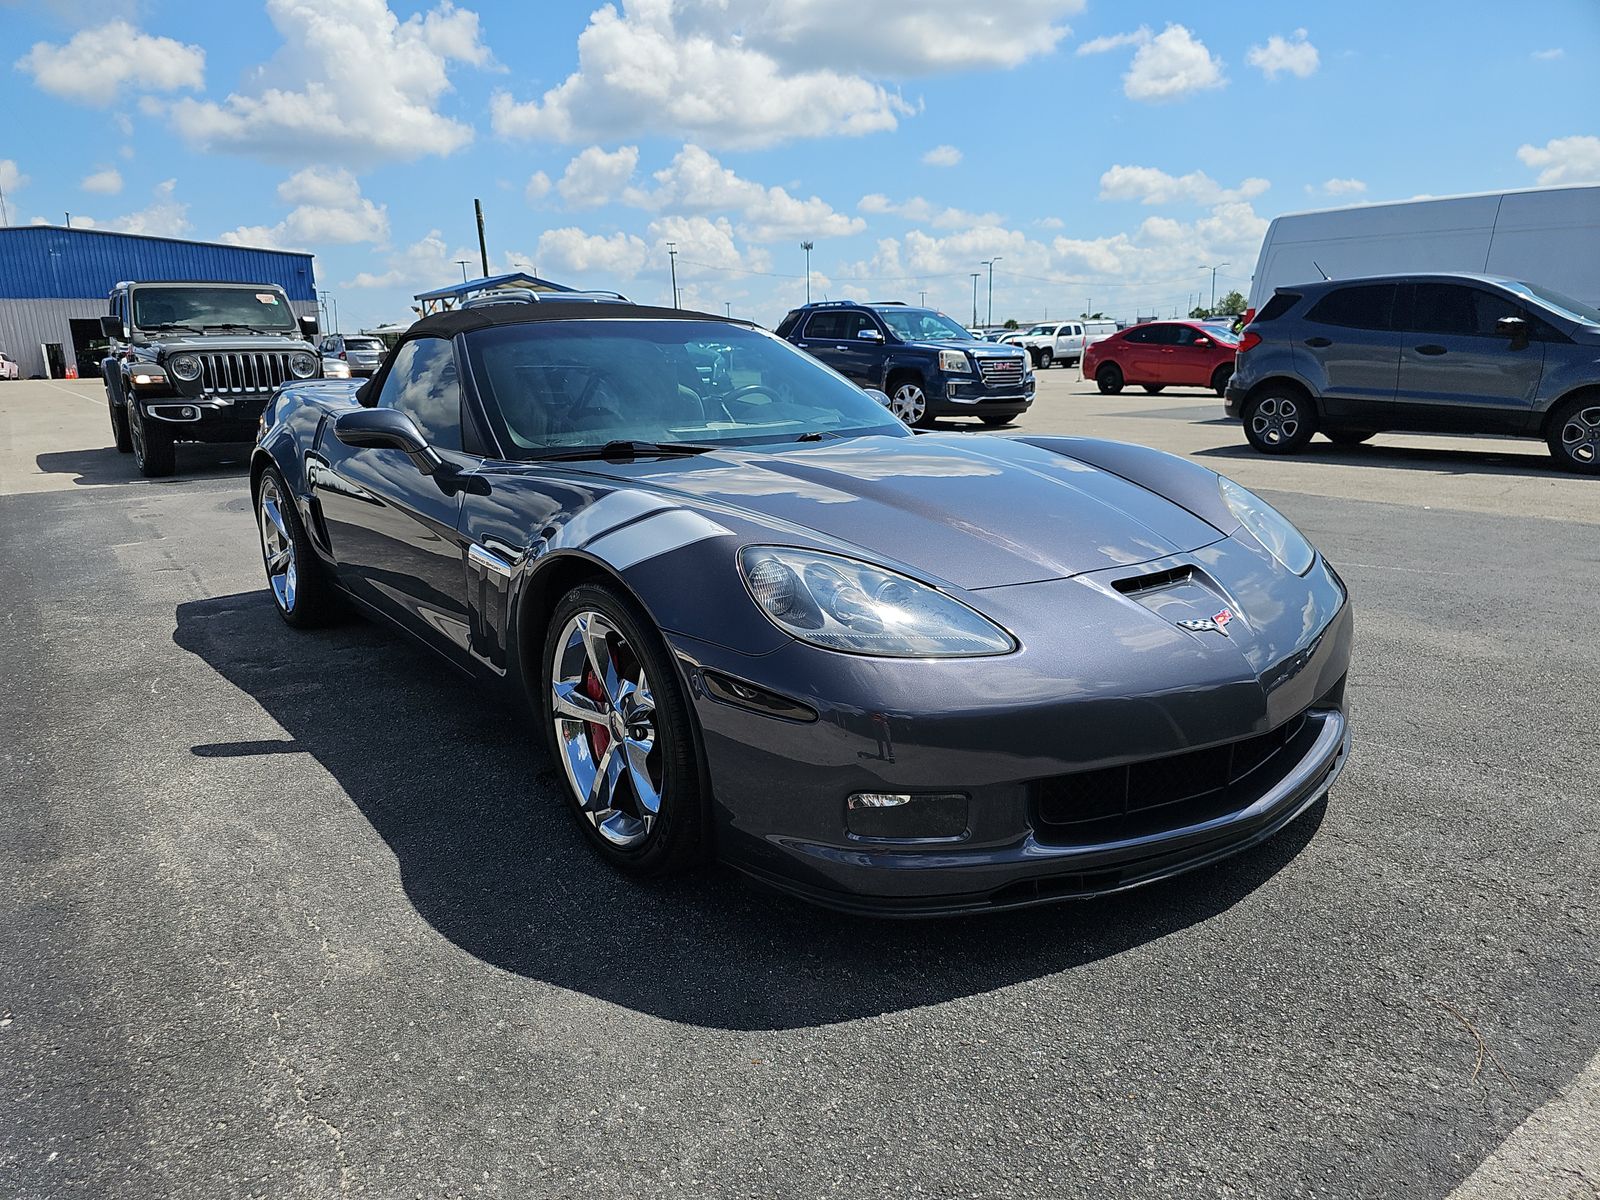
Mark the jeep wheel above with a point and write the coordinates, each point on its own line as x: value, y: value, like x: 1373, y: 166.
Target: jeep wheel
x: 1109, y: 379
x: 152, y: 448
x: 1279, y: 421
x: 909, y: 402
x: 121, y: 435
x: 1574, y: 437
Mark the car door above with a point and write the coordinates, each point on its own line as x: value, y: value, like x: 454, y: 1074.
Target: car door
x: 1348, y: 337
x: 1135, y: 352
x: 1458, y: 372
x: 1193, y: 357
x: 393, y: 529
x: 1164, y: 354
x: 823, y: 337
x: 1071, y: 343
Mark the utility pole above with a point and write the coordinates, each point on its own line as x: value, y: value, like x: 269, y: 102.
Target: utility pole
x: 922, y: 298
x: 808, y: 247
x: 462, y: 263
x: 990, y: 262
x: 335, y: 304
x: 1214, y: 271
x: 322, y: 299
x: 727, y: 308
x: 672, y: 254
x: 976, y: 275
x: 5, y: 217
x: 483, y: 246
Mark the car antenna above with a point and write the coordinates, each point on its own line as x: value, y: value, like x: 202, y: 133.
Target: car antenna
x: 1325, y: 276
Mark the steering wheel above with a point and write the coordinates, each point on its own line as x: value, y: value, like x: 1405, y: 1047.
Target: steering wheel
x: 740, y: 395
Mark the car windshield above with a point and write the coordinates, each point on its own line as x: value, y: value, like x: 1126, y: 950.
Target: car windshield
x: 1222, y: 333
x: 922, y: 325
x: 1573, y: 310
x: 198, y: 307
x: 555, y: 385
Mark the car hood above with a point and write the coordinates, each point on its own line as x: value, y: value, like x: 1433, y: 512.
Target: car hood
x: 976, y: 512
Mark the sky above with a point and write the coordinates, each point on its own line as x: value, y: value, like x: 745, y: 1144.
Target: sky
x: 1099, y: 154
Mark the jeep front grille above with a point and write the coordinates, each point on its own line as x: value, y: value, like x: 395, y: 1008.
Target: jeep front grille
x: 243, y: 372
x: 1001, y: 372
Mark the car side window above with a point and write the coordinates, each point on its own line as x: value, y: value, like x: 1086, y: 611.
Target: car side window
x: 1141, y: 335
x: 423, y: 383
x: 855, y: 322
x: 1443, y: 308
x: 1488, y: 308
x: 1189, y: 336
x: 824, y: 325
x: 1165, y: 335
x: 1370, y: 306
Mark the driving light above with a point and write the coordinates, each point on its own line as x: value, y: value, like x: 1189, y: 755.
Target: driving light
x: 302, y: 365
x: 1268, y: 526
x: 841, y: 604
x: 148, y: 378
x: 184, y: 366
x: 955, y: 361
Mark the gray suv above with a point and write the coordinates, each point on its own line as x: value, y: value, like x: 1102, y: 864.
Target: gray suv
x: 1422, y: 353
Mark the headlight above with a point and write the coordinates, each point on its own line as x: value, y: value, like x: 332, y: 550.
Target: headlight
x: 841, y: 604
x: 302, y: 365
x: 956, y: 361
x: 1268, y: 526
x: 184, y: 366
x: 334, y: 369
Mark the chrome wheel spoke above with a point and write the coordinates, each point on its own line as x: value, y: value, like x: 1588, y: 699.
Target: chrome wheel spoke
x: 603, y: 787
x: 568, y: 700
x: 594, y: 630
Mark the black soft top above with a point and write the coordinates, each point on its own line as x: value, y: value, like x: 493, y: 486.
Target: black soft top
x: 463, y: 320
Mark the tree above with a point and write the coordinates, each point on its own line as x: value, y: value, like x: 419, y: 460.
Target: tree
x: 1094, y: 316
x: 1199, y: 313
x: 1011, y: 323
x: 1232, y: 305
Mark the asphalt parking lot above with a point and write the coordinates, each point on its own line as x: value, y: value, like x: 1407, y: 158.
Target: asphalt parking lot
x: 301, y: 915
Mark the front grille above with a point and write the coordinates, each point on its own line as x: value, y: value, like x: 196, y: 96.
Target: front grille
x: 243, y: 372
x: 1001, y: 372
x: 1159, y: 795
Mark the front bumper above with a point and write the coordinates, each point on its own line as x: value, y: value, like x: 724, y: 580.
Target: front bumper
x: 205, y: 418
x: 961, y: 397
x: 1001, y: 731
x: 1233, y: 400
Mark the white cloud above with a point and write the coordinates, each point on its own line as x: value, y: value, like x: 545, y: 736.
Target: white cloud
x: 943, y: 156
x: 595, y: 176
x: 329, y: 209
x: 11, y: 177
x: 425, y: 263
x: 924, y: 212
x: 1293, y: 55
x: 1172, y: 65
x: 1565, y: 160
x: 1549, y: 55
x: 1153, y: 260
x: 1050, y: 223
x: 1115, y: 41
x: 103, y: 61
x: 352, y: 83
x: 107, y: 182
x: 695, y: 182
x: 1150, y: 185
x: 164, y: 216
x: 571, y: 251
x: 538, y: 187
x: 1339, y: 187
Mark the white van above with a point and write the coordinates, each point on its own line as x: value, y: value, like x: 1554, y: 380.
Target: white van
x: 1548, y: 236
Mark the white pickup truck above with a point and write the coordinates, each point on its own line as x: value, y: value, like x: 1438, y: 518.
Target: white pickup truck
x: 1061, y: 341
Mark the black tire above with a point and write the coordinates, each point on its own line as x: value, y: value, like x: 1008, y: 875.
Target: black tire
x: 312, y: 599
x: 1349, y: 437
x: 1109, y: 379
x: 1220, y: 377
x: 677, y: 838
x: 1155, y: 389
x: 121, y: 435
x: 152, y: 446
x: 1573, y: 434
x: 1279, y: 420
x: 996, y: 422
x: 1046, y: 359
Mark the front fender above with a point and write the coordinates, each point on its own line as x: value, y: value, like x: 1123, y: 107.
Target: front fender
x: 1187, y: 484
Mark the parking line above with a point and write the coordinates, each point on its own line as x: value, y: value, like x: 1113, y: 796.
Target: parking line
x: 1553, y: 1155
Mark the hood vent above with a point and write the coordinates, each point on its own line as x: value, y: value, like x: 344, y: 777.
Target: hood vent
x: 1136, y: 585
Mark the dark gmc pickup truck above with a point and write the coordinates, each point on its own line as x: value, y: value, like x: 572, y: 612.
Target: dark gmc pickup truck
x: 197, y: 362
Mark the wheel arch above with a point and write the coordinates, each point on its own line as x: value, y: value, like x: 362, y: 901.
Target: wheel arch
x: 1581, y: 391
x: 1285, y: 381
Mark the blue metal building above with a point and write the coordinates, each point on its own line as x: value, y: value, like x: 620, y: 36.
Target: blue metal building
x: 54, y: 283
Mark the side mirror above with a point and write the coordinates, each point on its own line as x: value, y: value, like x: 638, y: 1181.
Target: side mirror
x: 881, y: 397
x: 1202, y: 341
x: 869, y: 335
x: 1514, y: 328
x: 386, y: 429
x: 308, y: 327
x: 111, y: 327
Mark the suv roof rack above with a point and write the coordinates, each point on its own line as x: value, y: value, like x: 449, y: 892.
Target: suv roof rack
x: 885, y: 303
x: 492, y: 296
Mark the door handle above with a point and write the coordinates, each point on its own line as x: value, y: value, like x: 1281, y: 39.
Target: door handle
x: 1168, y: 350
x: 1430, y: 349
x: 841, y: 347
x: 1317, y: 343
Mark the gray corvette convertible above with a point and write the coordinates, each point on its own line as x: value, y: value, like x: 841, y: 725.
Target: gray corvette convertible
x: 758, y: 619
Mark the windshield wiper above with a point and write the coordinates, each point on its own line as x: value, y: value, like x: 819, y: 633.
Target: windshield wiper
x: 627, y: 449
x: 237, y: 325
x: 173, y: 325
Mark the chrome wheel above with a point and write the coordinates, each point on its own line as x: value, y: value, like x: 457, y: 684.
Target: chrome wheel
x: 909, y: 403
x: 1276, y: 420
x: 277, y: 544
x: 1580, y: 436
x: 605, y: 722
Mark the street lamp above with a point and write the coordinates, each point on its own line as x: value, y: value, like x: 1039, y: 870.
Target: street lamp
x: 1214, y: 271
x: 808, y: 247
x: 462, y: 263
x: 672, y: 254
x: 990, y: 262
x: 976, y: 275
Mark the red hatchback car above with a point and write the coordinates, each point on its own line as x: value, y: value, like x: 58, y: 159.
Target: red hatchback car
x: 1162, y: 354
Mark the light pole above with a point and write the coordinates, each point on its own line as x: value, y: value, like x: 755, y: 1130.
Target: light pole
x: 808, y: 247
x: 923, y: 298
x: 727, y: 308
x: 976, y: 275
x: 672, y: 254
x: 462, y: 263
x: 1214, y: 271
x: 990, y: 262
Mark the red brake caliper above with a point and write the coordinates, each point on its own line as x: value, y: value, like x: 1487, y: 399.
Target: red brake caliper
x: 599, y: 735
